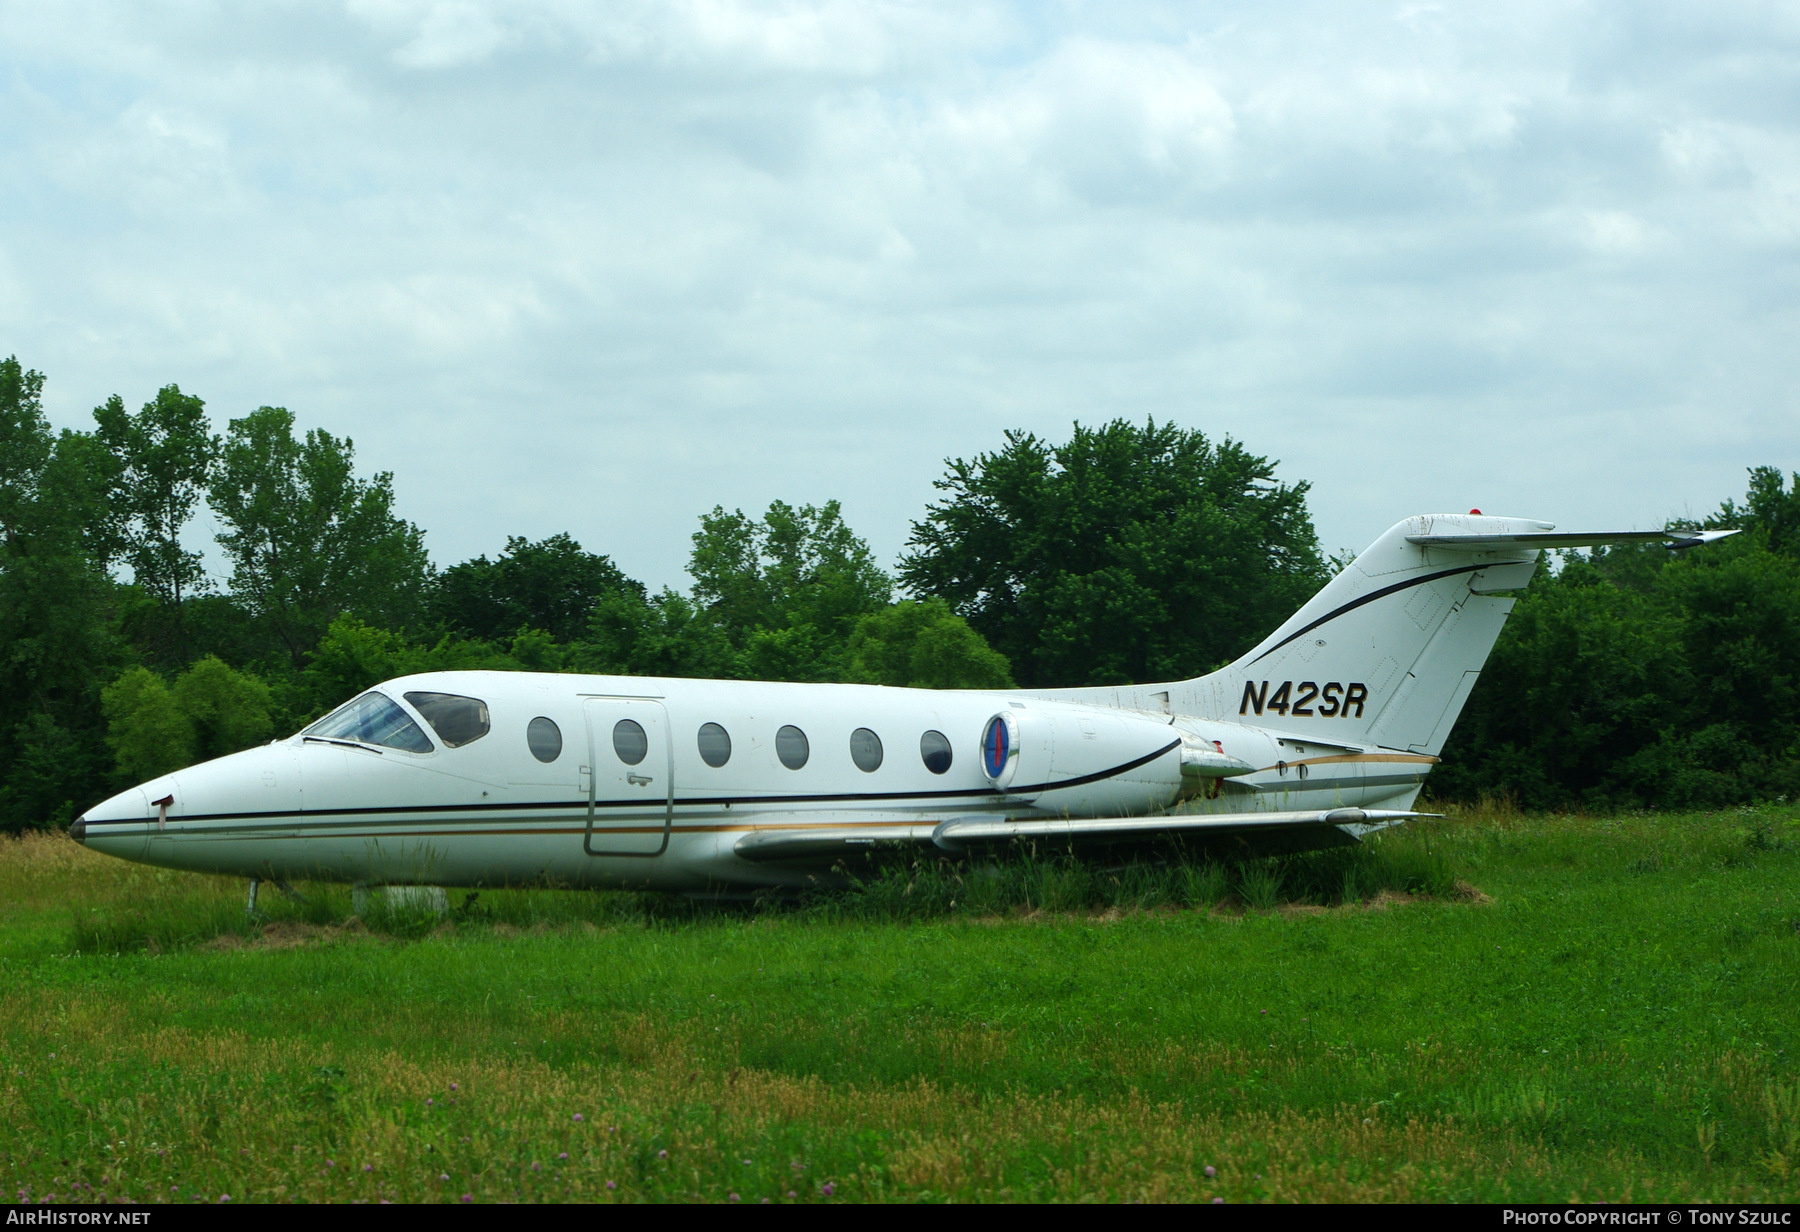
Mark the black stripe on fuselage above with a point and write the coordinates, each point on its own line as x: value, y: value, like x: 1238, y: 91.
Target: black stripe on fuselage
x: 699, y: 817
x: 1383, y: 593
x: 867, y: 798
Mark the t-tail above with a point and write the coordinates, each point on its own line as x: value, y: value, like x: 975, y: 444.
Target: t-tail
x: 1388, y: 652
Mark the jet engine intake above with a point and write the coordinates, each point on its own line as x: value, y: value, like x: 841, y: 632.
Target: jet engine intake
x: 1000, y: 749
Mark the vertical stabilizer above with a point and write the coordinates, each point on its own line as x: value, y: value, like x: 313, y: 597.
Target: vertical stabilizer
x: 1388, y: 651
x: 1385, y: 654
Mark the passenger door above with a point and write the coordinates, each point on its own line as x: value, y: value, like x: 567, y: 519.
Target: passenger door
x: 630, y: 778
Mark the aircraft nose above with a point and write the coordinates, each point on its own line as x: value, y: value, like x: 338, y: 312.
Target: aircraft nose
x: 78, y: 830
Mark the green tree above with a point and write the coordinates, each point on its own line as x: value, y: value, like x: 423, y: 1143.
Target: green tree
x: 354, y: 655
x: 1125, y: 554
x: 229, y: 710
x: 149, y: 732
x: 1771, y: 510
x: 154, y: 728
x: 551, y: 585
x: 1740, y: 633
x: 26, y: 444
x: 786, y: 590
x: 1586, y: 673
x: 662, y: 635
x: 1638, y: 676
x: 163, y: 460
x: 922, y: 644
x: 308, y: 540
x: 57, y: 607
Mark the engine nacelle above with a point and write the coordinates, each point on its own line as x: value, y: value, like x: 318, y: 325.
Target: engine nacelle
x: 1081, y: 761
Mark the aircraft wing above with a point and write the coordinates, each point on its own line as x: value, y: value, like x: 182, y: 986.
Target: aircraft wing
x: 1354, y: 822
x: 1255, y: 830
x: 1476, y: 542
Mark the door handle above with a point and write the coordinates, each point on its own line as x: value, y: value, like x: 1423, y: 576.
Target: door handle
x: 638, y: 780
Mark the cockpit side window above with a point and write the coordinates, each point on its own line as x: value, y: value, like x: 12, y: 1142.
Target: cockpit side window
x: 456, y: 720
x: 372, y: 719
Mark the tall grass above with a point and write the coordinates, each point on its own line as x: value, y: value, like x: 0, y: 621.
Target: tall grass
x: 174, y: 912
x: 1036, y: 881
x: 1620, y: 1025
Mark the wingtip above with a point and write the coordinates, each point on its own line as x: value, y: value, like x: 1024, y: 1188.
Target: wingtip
x: 1698, y: 538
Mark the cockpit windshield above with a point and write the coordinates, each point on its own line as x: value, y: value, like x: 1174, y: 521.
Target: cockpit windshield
x: 372, y: 719
x: 457, y: 720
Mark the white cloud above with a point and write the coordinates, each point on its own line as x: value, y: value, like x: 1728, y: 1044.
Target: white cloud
x: 453, y: 34
x: 439, y: 34
x: 597, y: 268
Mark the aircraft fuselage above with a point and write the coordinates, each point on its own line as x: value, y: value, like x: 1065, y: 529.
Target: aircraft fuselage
x: 668, y: 783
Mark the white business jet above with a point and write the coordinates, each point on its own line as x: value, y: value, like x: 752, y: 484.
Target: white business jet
x: 1321, y: 734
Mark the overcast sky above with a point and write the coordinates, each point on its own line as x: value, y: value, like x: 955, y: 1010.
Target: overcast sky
x: 597, y: 268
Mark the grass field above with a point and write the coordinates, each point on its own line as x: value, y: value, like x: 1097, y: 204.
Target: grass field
x: 1614, y: 1014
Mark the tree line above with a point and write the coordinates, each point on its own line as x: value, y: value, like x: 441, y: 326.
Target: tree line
x: 1125, y: 553
x: 1639, y: 677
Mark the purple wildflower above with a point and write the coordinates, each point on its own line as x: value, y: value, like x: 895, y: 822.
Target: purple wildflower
x: 331, y: 1163
x: 429, y: 1101
x: 467, y: 1198
x: 224, y: 1197
x: 826, y: 1189
x: 612, y: 1184
x: 443, y: 1176
x: 368, y: 1167
x: 1211, y: 1171
x: 577, y: 1116
x: 663, y: 1154
x: 563, y: 1155
x: 792, y: 1194
x: 1218, y: 1202
x: 733, y: 1198
x: 453, y: 1086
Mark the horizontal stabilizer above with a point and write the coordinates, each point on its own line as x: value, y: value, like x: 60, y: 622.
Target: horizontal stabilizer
x: 1675, y: 539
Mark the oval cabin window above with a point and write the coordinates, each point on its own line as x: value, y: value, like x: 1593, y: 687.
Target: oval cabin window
x: 629, y: 741
x: 791, y: 747
x: 934, y: 749
x: 865, y: 750
x: 545, y: 739
x: 715, y: 745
